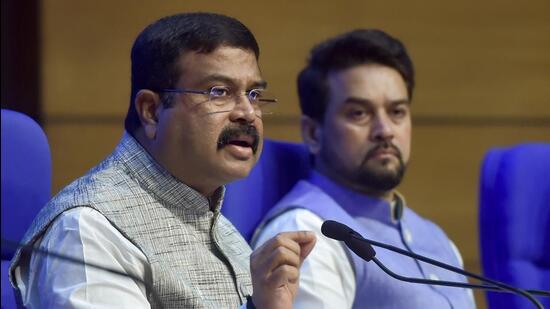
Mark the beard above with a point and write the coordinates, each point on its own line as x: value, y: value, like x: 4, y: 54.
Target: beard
x: 381, y: 178
x: 378, y: 175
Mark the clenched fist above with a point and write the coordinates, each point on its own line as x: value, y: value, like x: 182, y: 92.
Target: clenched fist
x: 275, y: 268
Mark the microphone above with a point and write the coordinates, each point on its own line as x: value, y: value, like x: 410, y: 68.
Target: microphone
x: 32, y: 249
x: 362, y: 246
x: 339, y: 231
x: 336, y: 230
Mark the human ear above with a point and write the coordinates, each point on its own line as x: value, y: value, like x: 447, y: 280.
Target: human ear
x: 311, y: 134
x: 147, y: 104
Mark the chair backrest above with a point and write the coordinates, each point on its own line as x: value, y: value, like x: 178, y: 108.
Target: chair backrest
x: 280, y: 166
x: 26, y: 184
x: 514, y: 220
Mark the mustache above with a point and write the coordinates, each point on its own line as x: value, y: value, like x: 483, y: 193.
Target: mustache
x: 385, y: 145
x: 231, y: 132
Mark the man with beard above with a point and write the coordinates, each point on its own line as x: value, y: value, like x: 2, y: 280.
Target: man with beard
x: 151, y: 210
x: 355, y: 95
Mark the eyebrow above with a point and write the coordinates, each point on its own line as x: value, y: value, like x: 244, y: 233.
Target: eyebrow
x: 228, y: 80
x: 363, y: 101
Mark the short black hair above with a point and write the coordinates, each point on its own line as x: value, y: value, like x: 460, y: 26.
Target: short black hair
x: 158, y: 48
x: 362, y: 46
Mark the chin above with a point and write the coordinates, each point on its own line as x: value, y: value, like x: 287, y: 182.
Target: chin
x: 386, y: 166
x: 238, y: 170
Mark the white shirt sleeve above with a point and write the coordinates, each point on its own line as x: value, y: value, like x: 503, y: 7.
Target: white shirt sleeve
x: 85, y: 234
x: 327, y: 279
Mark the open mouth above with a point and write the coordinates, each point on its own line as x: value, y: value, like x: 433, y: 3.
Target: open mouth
x: 241, y: 147
x: 241, y: 141
x: 243, y: 137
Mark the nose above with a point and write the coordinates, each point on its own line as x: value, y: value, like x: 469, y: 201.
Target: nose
x: 381, y: 128
x: 243, y: 110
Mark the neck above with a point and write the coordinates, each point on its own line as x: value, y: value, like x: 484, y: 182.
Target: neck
x: 200, y: 185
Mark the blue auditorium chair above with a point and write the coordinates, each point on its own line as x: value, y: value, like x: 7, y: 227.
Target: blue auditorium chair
x: 281, y: 165
x: 514, y: 220
x: 26, y: 184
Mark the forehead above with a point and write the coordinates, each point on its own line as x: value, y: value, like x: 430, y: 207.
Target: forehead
x: 371, y: 82
x: 227, y: 64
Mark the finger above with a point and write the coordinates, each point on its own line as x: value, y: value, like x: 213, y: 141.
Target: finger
x: 306, y: 248
x: 280, y: 256
x: 281, y: 240
x: 294, y: 240
x: 301, y: 237
x: 265, y: 261
x: 305, y: 239
x: 283, y: 275
x: 283, y: 256
x: 300, y: 243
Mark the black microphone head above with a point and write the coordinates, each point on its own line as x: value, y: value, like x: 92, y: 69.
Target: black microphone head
x: 340, y: 231
x: 362, y: 248
x: 336, y: 230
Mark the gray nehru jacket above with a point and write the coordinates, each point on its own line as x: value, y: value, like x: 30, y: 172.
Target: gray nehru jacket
x: 198, y: 259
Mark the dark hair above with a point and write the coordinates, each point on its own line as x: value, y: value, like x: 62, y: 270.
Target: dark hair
x: 343, y: 52
x: 158, y: 48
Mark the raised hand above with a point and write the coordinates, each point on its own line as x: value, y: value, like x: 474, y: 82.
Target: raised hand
x: 275, y: 268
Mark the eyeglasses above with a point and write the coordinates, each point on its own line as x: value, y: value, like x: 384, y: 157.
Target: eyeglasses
x: 223, y: 99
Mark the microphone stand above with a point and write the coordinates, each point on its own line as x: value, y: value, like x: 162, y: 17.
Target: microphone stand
x: 443, y: 265
x: 356, y: 242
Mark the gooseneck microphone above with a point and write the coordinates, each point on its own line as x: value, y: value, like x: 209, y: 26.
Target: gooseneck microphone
x: 363, y: 248
x: 27, y: 249
x: 354, y: 240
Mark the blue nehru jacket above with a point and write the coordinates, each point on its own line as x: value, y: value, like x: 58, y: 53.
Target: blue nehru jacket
x: 373, y: 218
